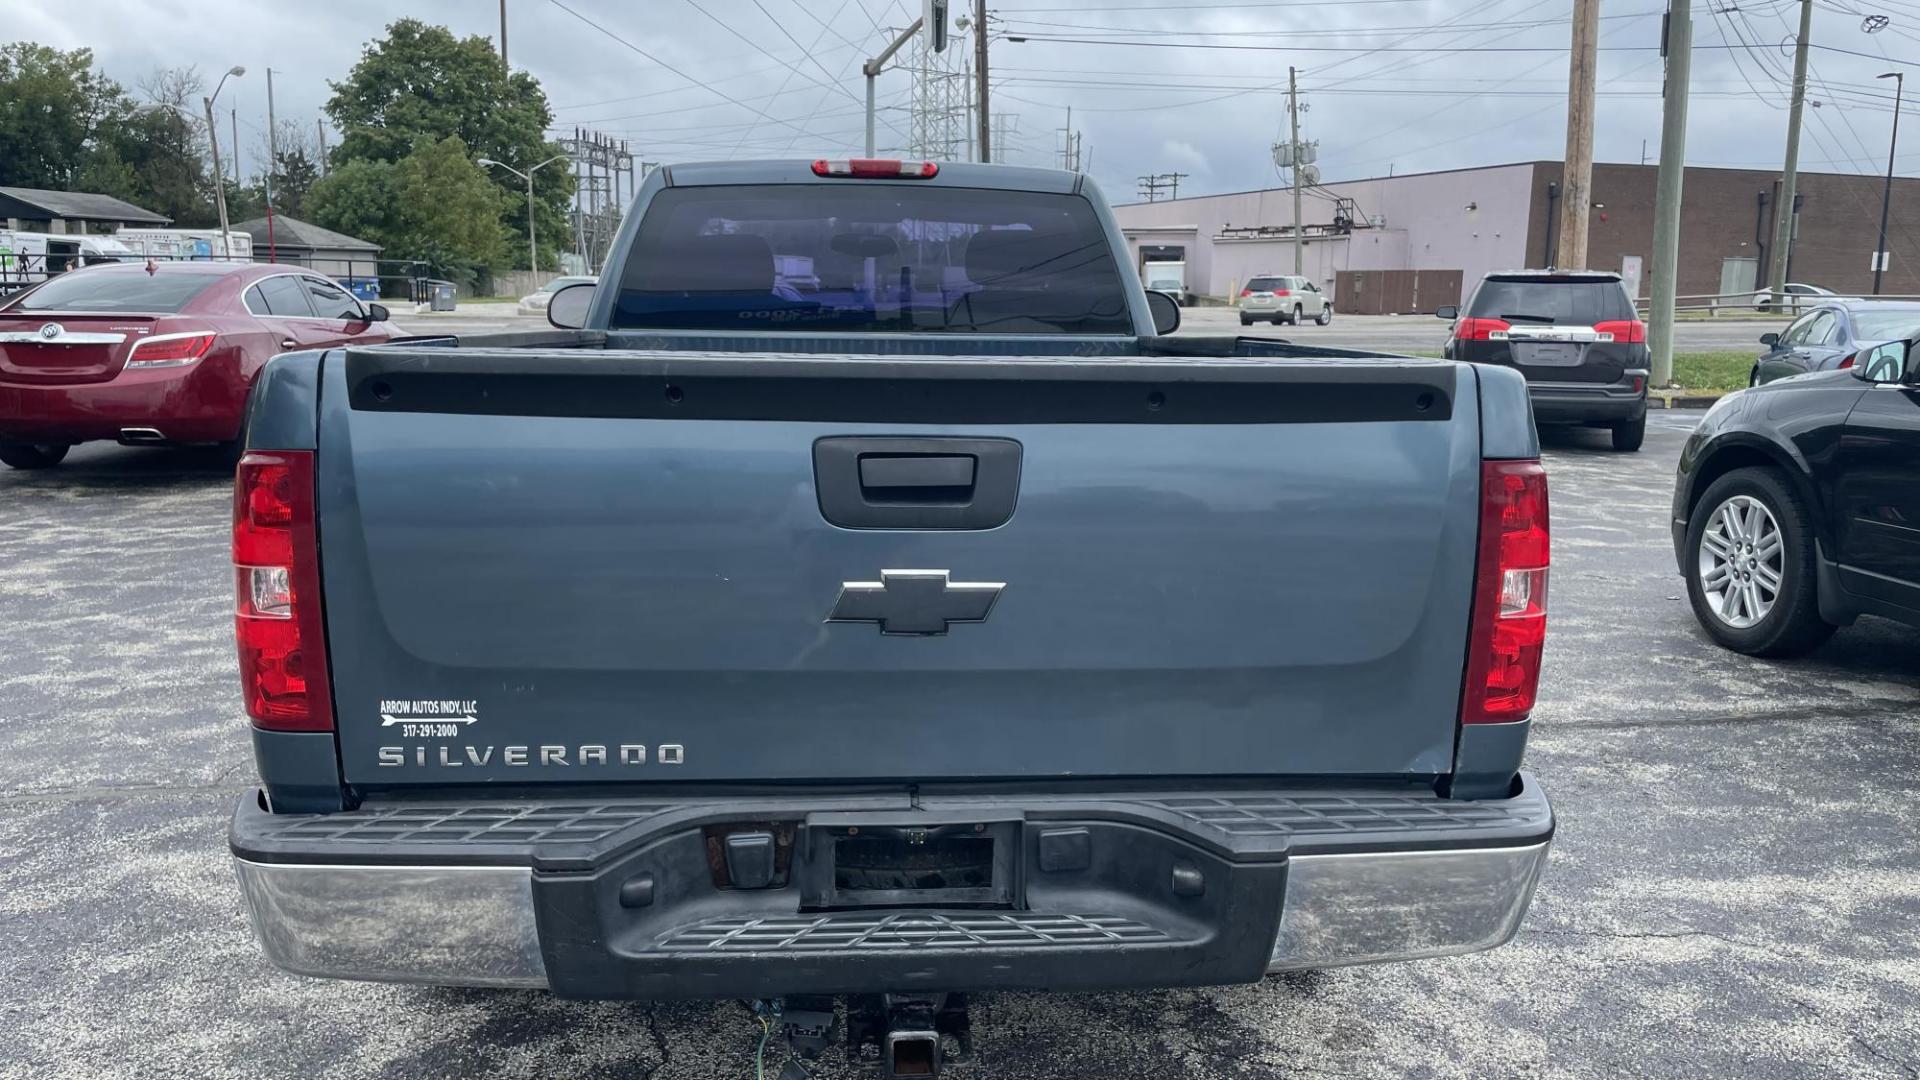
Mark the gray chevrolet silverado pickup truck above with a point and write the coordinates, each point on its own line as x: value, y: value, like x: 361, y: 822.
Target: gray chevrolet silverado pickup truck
x: 872, y: 599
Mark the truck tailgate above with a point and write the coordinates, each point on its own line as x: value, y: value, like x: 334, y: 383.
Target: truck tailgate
x: 576, y: 567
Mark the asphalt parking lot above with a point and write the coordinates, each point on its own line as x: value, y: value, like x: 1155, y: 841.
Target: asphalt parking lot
x: 1734, y: 889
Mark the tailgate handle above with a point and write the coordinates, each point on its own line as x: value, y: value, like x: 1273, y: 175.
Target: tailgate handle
x: 928, y: 483
x: 916, y: 477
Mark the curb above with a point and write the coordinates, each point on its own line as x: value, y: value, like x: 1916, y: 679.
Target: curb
x: 1683, y: 399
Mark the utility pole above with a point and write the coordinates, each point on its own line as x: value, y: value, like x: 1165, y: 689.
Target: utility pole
x: 1577, y: 178
x: 1152, y: 185
x: 1881, y: 256
x: 320, y: 129
x: 1666, y: 208
x: 233, y: 117
x: 1790, y: 173
x: 503, y: 35
x: 980, y: 86
x: 1293, y: 124
x: 273, y: 131
x: 967, y: 92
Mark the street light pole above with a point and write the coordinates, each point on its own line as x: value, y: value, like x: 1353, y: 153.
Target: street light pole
x: 871, y: 69
x: 533, y: 252
x: 213, y: 143
x: 1880, y: 254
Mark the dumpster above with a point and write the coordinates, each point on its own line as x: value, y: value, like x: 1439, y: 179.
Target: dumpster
x: 364, y: 288
x: 440, y: 295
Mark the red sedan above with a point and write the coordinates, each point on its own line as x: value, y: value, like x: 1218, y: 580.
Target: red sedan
x: 157, y: 353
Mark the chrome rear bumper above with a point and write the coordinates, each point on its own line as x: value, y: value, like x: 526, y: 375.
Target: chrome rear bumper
x: 476, y: 925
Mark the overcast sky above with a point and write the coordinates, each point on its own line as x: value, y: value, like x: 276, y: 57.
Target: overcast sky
x: 782, y: 76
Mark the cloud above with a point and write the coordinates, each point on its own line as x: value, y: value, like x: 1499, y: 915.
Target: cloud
x: 790, y: 85
x: 1182, y: 156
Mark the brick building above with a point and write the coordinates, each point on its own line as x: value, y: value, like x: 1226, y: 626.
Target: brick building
x: 1500, y: 217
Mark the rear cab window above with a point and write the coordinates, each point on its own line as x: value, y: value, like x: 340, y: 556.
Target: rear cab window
x: 1266, y: 284
x: 1565, y: 301
x: 115, y: 293
x: 885, y: 258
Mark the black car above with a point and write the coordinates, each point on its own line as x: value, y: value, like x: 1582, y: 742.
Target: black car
x: 1576, y: 337
x: 1831, y: 336
x: 1797, y: 506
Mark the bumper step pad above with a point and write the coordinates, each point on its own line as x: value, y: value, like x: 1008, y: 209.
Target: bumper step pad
x: 906, y: 931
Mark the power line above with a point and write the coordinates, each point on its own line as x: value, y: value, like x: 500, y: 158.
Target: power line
x: 637, y: 49
x: 1455, y: 49
x: 1317, y: 4
x: 1336, y: 32
x: 762, y: 50
x: 788, y: 77
x: 746, y: 73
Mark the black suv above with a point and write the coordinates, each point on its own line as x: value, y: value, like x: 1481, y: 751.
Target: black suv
x: 1573, y: 334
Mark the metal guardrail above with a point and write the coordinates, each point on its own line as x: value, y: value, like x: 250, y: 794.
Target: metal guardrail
x: 1742, y: 304
x: 368, y: 279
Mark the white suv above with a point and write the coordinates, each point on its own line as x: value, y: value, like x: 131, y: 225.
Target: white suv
x: 1283, y: 298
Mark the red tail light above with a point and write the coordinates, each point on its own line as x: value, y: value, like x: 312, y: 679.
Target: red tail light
x: 1847, y: 360
x: 888, y: 168
x: 1624, y: 331
x: 283, y: 653
x: 1509, y: 627
x: 1282, y: 292
x: 1246, y: 292
x: 1481, y: 329
x: 169, y: 350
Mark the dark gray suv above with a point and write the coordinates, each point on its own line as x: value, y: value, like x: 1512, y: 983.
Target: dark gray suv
x: 1575, y: 336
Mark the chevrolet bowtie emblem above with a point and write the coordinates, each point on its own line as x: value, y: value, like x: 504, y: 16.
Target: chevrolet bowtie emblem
x: 915, y: 601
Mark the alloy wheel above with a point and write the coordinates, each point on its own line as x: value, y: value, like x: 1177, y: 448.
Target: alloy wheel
x: 1742, y: 557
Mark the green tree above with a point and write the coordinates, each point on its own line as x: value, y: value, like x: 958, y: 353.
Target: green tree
x: 420, y: 84
x: 436, y: 205
x: 293, y: 180
x: 65, y: 126
x: 52, y: 108
x: 357, y: 199
x: 164, y: 142
x: 450, y: 210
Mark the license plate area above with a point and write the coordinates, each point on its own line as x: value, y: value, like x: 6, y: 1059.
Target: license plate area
x: 851, y: 864
x: 1548, y: 353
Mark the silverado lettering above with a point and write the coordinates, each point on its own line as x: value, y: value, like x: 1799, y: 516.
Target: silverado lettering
x: 448, y: 757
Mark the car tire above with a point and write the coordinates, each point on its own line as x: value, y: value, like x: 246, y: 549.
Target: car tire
x: 1753, y: 378
x: 34, y: 455
x: 1629, y: 434
x: 1791, y: 624
x: 1246, y: 320
x: 1325, y: 316
x: 1298, y: 316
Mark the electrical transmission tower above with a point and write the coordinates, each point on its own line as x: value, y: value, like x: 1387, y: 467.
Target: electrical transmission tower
x: 1069, y: 145
x: 1152, y: 186
x: 600, y: 162
x: 1006, y: 126
x: 940, y: 104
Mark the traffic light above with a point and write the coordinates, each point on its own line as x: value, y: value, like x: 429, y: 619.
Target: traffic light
x: 933, y: 22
